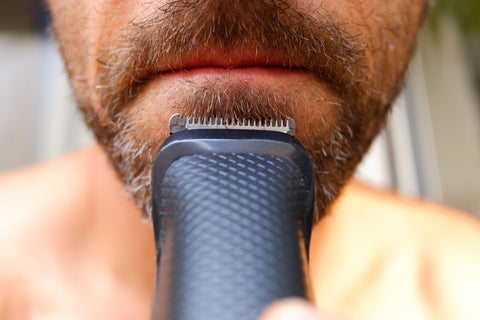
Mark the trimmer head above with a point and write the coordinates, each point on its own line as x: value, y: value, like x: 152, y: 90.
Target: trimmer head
x: 232, y: 213
x: 201, y: 135
x: 177, y: 124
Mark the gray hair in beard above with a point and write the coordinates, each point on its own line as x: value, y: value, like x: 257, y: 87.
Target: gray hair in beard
x: 277, y: 28
x: 132, y: 149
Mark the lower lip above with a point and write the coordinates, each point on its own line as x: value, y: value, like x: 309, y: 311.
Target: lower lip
x: 244, y: 73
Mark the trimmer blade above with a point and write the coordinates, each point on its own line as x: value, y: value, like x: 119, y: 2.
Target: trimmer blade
x: 177, y: 123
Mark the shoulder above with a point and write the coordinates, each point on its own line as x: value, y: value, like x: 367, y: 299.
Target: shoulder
x: 439, y: 230
x: 428, y: 221
x: 33, y: 213
x: 61, y: 222
x: 39, y: 200
x: 45, y: 206
x: 400, y: 253
x: 41, y: 190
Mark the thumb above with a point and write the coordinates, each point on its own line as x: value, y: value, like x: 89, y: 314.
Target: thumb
x: 291, y: 309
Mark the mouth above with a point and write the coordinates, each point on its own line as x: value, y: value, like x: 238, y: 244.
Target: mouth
x: 244, y: 73
x: 241, y: 64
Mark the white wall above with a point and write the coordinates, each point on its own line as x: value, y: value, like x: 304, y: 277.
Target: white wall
x: 455, y: 117
x: 38, y: 119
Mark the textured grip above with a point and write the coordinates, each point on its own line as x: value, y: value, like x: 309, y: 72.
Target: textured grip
x: 230, y: 236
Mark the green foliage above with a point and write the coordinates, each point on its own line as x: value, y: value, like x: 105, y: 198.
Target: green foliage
x: 465, y: 12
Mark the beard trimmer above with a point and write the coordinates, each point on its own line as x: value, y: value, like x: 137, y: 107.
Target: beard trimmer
x: 232, y: 213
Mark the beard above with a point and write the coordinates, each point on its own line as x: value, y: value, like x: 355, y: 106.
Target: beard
x: 341, y: 110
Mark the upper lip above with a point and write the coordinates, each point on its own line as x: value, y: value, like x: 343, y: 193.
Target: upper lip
x: 227, y: 60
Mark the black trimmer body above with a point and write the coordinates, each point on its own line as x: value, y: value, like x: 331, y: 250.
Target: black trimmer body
x: 232, y: 214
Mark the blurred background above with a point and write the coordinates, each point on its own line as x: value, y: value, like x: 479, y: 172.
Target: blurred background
x: 429, y: 149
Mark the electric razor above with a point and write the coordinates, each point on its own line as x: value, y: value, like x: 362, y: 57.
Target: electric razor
x: 232, y: 213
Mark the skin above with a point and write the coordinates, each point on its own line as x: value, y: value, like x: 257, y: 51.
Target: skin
x: 81, y: 248
x: 292, y: 309
x: 88, y: 255
x: 334, y: 67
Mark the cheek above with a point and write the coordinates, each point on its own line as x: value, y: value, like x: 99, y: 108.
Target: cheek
x: 85, y: 30
x: 108, y: 21
x: 387, y: 31
x: 69, y: 21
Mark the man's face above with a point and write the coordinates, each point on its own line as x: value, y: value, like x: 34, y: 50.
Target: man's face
x: 333, y: 66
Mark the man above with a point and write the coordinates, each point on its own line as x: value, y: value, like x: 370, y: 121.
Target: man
x: 73, y: 242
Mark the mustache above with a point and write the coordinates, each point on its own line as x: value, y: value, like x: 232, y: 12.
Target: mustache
x: 308, y: 38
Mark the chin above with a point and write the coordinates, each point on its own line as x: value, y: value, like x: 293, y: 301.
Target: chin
x: 325, y: 125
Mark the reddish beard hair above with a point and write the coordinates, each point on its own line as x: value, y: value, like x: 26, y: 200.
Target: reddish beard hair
x: 317, y: 43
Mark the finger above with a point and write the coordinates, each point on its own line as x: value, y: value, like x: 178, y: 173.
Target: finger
x: 291, y: 309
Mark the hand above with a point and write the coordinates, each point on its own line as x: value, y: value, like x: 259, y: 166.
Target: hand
x: 292, y: 309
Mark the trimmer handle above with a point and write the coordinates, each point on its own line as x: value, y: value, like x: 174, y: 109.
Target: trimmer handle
x: 229, y: 229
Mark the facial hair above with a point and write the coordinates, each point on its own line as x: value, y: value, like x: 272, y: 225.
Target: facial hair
x: 152, y: 45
